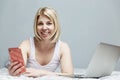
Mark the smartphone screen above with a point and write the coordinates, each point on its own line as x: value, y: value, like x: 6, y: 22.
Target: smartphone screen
x: 16, y: 55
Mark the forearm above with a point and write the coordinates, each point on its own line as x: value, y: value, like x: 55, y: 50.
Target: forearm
x: 45, y: 72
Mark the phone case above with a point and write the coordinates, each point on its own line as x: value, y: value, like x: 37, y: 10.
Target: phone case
x: 16, y: 55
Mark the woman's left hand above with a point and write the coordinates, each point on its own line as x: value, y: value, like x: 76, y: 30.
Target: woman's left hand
x: 31, y: 72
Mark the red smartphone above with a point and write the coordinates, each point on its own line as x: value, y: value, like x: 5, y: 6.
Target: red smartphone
x: 16, y: 55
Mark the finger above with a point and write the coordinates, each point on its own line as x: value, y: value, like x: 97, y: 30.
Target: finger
x: 18, y: 71
x: 14, y: 68
x: 28, y: 74
x: 12, y: 64
x: 28, y: 70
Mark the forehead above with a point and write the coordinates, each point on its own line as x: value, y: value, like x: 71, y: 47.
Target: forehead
x: 44, y: 18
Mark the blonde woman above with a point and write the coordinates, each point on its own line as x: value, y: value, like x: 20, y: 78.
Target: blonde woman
x: 44, y: 52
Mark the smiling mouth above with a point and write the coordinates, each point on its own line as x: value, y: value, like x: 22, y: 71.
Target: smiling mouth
x: 44, y: 34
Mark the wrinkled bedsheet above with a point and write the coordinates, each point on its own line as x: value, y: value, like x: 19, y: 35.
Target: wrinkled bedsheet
x: 4, y: 75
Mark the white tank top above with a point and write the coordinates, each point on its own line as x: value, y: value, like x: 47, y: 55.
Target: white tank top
x: 52, y: 65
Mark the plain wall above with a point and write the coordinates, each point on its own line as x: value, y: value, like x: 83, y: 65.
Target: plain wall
x: 84, y: 24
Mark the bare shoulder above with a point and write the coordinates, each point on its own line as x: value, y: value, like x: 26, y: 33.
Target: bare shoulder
x: 25, y: 44
x: 64, y: 48
x: 64, y: 45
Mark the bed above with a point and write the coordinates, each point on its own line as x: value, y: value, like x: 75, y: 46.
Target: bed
x: 4, y: 75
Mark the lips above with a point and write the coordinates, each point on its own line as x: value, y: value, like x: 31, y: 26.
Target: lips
x: 44, y: 34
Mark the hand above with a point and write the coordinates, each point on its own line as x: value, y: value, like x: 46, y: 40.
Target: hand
x: 31, y: 72
x: 15, y: 68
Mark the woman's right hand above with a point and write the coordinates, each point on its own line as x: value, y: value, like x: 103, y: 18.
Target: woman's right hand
x: 15, y: 68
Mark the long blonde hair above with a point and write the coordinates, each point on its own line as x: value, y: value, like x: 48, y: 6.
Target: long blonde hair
x: 51, y: 14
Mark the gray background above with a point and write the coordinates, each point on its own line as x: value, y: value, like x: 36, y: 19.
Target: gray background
x: 84, y: 24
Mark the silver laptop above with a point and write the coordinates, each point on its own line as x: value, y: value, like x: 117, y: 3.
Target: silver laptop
x: 103, y: 61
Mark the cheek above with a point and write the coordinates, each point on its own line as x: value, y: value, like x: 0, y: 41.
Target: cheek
x: 38, y: 28
x: 52, y: 28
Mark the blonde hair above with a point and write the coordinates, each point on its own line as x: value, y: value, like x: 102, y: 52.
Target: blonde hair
x: 51, y: 14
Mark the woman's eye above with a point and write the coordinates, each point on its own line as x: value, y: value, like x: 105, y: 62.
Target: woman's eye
x: 40, y: 23
x: 49, y: 23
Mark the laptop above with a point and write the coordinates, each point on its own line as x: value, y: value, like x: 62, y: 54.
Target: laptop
x: 102, y: 63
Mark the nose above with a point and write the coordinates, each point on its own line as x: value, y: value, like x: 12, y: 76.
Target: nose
x: 44, y: 27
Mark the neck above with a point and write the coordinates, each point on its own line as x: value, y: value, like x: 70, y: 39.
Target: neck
x: 44, y: 44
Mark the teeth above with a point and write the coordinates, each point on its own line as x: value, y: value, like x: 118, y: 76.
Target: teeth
x: 44, y: 33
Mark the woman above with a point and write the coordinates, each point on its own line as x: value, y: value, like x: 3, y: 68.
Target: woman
x: 44, y: 52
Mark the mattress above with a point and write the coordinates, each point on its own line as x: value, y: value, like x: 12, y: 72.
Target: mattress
x: 4, y: 75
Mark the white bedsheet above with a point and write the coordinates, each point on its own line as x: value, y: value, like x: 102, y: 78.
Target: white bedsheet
x: 4, y: 75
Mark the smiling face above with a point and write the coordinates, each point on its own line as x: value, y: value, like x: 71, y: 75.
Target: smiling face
x: 45, y: 27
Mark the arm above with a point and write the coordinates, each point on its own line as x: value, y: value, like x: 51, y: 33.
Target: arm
x: 25, y: 48
x: 66, y: 60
